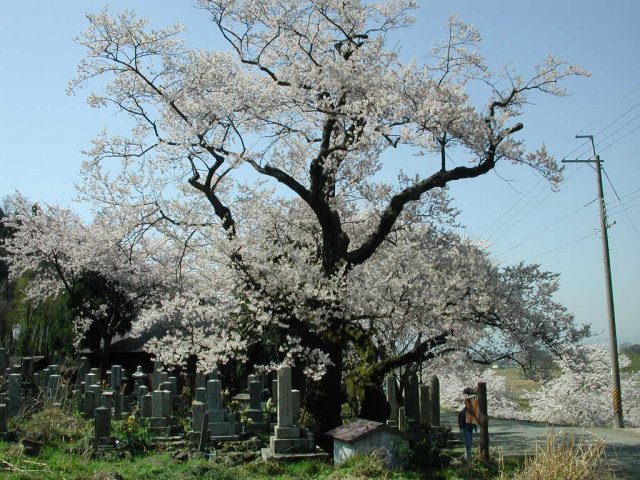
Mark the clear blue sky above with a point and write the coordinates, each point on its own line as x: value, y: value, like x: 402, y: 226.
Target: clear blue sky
x: 42, y: 131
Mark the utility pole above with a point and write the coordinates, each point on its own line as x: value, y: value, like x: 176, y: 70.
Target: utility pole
x: 616, y: 395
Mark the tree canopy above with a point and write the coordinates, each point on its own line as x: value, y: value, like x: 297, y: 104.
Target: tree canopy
x: 316, y: 255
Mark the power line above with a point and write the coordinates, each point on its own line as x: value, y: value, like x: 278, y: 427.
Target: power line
x: 618, y: 197
x: 550, y: 226
x: 534, y: 207
x: 616, y: 141
x: 562, y: 246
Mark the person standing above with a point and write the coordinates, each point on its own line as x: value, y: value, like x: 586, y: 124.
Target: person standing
x: 468, y: 421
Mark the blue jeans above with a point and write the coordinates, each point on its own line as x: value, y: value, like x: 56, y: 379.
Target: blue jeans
x: 467, y: 432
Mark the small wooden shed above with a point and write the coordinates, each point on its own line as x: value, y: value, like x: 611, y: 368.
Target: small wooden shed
x: 367, y: 436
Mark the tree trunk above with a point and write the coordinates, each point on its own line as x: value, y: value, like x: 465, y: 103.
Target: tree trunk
x: 374, y: 405
x: 323, y: 399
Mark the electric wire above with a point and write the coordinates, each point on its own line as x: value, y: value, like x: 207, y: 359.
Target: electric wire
x: 625, y: 210
x: 549, y: 226
x: 562, y: 246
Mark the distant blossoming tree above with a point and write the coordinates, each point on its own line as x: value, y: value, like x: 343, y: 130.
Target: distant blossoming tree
x: 107, y: 274
x: 581, y: 395
x: 311, y: 98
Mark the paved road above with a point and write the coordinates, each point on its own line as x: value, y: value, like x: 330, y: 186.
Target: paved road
x: 516, y: 437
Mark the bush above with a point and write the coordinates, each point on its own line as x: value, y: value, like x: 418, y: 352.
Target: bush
x: 565, y: 459
x: 53, y: 425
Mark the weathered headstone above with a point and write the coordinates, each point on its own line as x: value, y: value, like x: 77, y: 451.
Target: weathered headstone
x: 107, y: 399
x: 157, y: 367
x: 434, y: 394
x: 200, y: 380
x: 204, y: 433
x: 116, y: 376
x: 54, y: 384
x: 412, y: 402
x: 392, y: 399
x: 14, y: 391
x: 167, y: 403
x: 402, y: 424
x: 274, y: 392
x: 201, y: 395
x: 173, y: 382
x: 138, y: 380
x: 91, y: 379
x: 295, y: 405
x: 90, y: 400
x: 425, y: 406
x: 3, y: 360
x: 285, y: 402
x: 254, y: 395
x: 4, y: 415
x: 83, y: 369
x: 156, y: 404
x: 146, y: 406
x: 198, y: 410
x: 27, y: 364
x: 102, y: 422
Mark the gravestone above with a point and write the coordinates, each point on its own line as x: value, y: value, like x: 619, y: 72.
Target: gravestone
x: 27, y: 364
x: 254, y: 395
x: 138, y: 381
x: 116, y: 376
x: 83, y: 369
x: 159, y: 423
x: 198, y: 410
x: 102, y: 425
x: 425, y: 406
x: 54, y: 385
x: 146, y: 406
x: 402, y: 423
x: 392, y: 398
x: 295, y: 405
x: 200, y: 380
x: 289, y: 440
x: 155, y: 378
x: 201, y: 395
x: 4, y: 415
x: 89, y: 400
x: 274, y: 392
x: 107, y: 399
x: 14, y: 391
x: 173, y: 381
x: 37, y: 379
x: 434, y: 394
x: 3, y: 360
x: 91, y: 379
x: 221, y: 423
x: 412, y: 402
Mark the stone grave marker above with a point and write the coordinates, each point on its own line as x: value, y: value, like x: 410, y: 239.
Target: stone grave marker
x: 392, y: 398
x: 412, y: 402
x: 425, y: 406
x: 434, y: 395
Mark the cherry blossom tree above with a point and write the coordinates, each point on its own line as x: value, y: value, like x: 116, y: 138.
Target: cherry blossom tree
x: 107, y: 274
x: 581, y: 394
x: 310, y: 97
